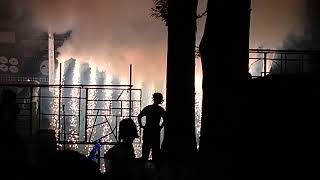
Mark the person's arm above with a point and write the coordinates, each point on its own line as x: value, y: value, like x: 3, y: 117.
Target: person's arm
x: 141, y: 114
x: 164, y: 120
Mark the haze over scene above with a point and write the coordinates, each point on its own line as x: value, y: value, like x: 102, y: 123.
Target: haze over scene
x: 115, y: 33
x: 112, y: 34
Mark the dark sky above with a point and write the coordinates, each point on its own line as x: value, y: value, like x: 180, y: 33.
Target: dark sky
x: 114, y: 33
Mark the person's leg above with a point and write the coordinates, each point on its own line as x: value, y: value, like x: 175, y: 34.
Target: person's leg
x: 145, y: 151
x: 146, y: 146
x: 156, y: 150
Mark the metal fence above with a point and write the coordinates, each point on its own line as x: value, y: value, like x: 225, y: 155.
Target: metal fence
x: 266, y: 61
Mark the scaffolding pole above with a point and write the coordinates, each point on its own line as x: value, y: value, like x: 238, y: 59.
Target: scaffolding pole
x: 130, y: 89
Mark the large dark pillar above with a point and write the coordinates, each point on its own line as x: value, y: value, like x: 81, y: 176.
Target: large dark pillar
x: 224, y: 54
x: 179, y: 140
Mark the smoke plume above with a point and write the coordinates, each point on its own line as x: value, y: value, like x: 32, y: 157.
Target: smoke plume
x: 273, y: 20
x: 311, y: 37
x: 110, y: 34
x: 310, y: 40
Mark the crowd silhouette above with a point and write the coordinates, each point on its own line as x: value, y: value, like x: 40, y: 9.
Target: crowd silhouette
x: 120, y: 160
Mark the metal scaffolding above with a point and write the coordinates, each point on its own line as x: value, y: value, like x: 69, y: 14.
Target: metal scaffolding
x: 84, y: 115
x: 117, y: 106
x: 81, y: 115
x: 270, y: 61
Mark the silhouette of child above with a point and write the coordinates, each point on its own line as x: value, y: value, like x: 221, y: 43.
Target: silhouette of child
x: 121, y: 157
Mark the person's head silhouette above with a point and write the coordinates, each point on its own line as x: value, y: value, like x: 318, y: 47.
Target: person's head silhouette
x: 8, y: 96
x: 157, y: 98
x: 127, y: 130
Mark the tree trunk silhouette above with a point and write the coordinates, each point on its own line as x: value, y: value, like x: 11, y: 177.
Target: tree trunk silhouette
x: 179, y: 138
x: 224, y: 55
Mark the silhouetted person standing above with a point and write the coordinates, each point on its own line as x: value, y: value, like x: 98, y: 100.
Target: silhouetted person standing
x: 9, y: 110
x: 14, y: 148
x: 152, y: 127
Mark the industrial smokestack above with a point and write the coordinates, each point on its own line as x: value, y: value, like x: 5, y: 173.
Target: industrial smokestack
x: 51, y: 57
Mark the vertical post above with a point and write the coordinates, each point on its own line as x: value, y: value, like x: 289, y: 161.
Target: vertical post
x: 281, y: 63
x: 98, y: 156
x: 130, y: 89
x: 116, y: 129
x: 30, y: 110
x: 60, y: 74
x: 302, y: 64
x: 79, y: 123
x: 285, y: 63
x: 86, y: 117
x: 38, y: 108
x: 59, y: 102
x: 121, y: 108
x: 51, y: 57
x: 140, y: 107
x: 265, y: 63
x: 64, y: 128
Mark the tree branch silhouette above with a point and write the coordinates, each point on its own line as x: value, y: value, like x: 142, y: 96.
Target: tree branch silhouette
x: 161, y: 11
